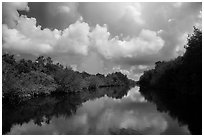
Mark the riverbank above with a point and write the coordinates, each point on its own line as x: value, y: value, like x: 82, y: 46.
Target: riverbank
x: 176, y: 86
x: 25, y: 79
x: 42, y: 108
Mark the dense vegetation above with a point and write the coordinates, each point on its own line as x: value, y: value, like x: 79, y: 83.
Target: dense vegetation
x: 176, y: 85
x: 26, y: 78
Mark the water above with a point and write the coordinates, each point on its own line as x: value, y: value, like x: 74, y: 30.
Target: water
x: 105, y: 111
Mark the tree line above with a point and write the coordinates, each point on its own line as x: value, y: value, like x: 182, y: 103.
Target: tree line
x: 27, y: 78
x: 176, y: 85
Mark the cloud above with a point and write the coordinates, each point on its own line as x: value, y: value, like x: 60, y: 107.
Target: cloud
x: 10, y: 14
x: 102, y: 115
x: 53, y: 15
x: 92, y: 64
x: 133, y: 72
x: 64, y: 9
x: 15, y: 40
x: 175, y: 20
x: 78, y: 38
x: 127, y: 16
x: 29, y: 38
x: 147, y: 43
x: 74, y: 38
x: 97, y: 37
x: 133, y: 12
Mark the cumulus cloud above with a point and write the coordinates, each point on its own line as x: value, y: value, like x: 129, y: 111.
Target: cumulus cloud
x: 175, y: 20
x: 146, y: 43
x: 10, y: 14
x: 135, y: 33
x: 77, y: 38
x: 127, y: 16
x: 29, y: 38
x: 15, y: 40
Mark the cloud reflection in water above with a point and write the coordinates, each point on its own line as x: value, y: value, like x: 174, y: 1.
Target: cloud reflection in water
x: 105, y: 115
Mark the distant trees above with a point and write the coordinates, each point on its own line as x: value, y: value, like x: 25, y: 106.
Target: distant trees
x: 42, y: 109
x: 9, y: 59
x: 174, y: 70
x: 178, y: 84
x: 67, y: 79
x: 42, y: 76
x: 117, y: 78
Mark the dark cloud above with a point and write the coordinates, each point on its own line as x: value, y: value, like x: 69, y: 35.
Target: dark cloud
x: 10, y: 13
x: 98, y: 37
x: 53, y: 15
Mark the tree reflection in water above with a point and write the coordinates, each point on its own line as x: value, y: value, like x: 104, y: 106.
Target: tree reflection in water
x: 186, y: 109
x: 42, y: 109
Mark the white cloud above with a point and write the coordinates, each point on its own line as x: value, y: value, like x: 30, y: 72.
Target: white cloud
x: 29, y: 38
x: 133, y: 72
x: 135, y: 34
x: 74, y: 67
x: 64, y: 9
x: 147, y: 43
x: 133, y: 11
x: 124, y: 71
x: 182, y: 40
x: 121, y: 17
x: 15, y: 40
x: 74, y: 38
x: 9, y: 12
x: 78, y: 38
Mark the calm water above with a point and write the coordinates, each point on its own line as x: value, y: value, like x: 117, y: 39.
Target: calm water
x: 91, y: 113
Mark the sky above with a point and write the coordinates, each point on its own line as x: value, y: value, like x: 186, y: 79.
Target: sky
x: 100, y: 37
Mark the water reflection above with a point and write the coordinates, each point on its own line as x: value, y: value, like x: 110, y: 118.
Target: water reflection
x: 186, y: 108
x: 101, y: 112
